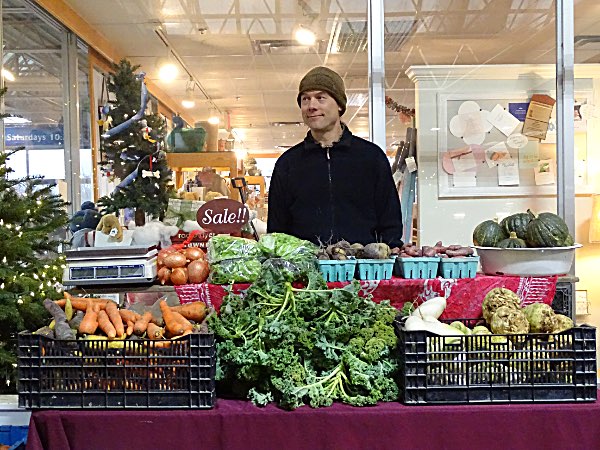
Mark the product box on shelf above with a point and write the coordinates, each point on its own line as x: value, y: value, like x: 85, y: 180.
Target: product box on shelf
x: 178, y: 373
x: 492, y: 368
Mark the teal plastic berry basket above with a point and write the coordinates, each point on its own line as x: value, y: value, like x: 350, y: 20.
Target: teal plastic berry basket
x: 465, y: 267
x: 420, y: 267
x: 374, y: 269
x: 333, y: 270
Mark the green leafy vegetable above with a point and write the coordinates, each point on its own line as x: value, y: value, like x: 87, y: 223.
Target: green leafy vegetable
x: 220, y: 248
x: 308, y: 345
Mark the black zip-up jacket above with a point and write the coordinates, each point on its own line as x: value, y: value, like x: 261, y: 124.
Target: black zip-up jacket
x: 342, y: 192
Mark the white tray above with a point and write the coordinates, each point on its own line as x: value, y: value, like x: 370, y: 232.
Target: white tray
x: 532, y: 262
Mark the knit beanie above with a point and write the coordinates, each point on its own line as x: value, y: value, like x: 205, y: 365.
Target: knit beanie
x: 324, y: 79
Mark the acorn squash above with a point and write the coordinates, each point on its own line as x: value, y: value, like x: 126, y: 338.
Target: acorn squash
x: 512, y: 242
x: 517, y: 223
x: 488, y: 233
x: 546, y: 230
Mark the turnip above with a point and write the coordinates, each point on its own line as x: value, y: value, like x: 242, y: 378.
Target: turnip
x: 376, y: 250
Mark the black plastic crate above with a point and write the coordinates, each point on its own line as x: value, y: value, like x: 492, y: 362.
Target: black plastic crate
x: 116, y: 374
x: 562, y: 303
x: 524, y: 368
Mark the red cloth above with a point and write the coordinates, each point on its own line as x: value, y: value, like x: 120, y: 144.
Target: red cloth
x: 239, y: 425
x: 464, y: 295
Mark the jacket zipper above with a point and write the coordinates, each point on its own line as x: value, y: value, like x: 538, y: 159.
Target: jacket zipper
x: 330, y: 194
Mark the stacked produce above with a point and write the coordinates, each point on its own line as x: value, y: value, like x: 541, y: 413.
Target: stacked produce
x: 239, y: 260
x: 524, y: 230
x: 410, y: 250
x: 511, y: 345
x: 312, y: 345
x: 182, y: 266
x: 101, y: 319
x: 106, y: 348
x: 343, y: 250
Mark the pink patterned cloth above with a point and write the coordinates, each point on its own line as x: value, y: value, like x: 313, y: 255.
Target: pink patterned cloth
x: 464, y: 295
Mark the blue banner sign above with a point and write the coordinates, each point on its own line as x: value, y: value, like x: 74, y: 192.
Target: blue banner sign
x: 29, y: 136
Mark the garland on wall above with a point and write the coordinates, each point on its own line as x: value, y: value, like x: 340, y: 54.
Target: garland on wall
x: 390, y: 103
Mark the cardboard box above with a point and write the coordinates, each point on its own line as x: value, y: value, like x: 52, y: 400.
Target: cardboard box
x: 538, y: 116
x: 200, y: 240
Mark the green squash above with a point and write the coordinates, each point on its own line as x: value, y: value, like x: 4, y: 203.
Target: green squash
x: 517, y: 223
x: 546, y: 230
x: 488, y: 233
x: 569, y: 241
x: 512, y: 242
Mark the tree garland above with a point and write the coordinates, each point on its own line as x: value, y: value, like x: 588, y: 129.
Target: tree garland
x: 390, y: 103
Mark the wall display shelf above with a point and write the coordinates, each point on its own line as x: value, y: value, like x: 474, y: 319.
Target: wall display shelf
x: 221, y: 161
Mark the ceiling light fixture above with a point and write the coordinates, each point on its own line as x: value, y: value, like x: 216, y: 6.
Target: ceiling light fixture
x: 305, y: 36
x: 189, y: 101
x: 167, y: 71
x: 213, y: 117
x: 7, y: 75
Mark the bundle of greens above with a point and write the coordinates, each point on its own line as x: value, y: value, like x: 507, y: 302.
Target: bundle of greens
x: 220, y: 248
x: 305, y: 346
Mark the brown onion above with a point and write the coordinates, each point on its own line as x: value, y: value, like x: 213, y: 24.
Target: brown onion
x: 198, y: 271
x: 193, y: 253
x: 179, y: 276
x: 164, y: 275
x: 162, y: 254
x: 175, y: 260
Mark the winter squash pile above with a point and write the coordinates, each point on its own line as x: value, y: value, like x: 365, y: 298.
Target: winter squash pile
x: 524, y: 230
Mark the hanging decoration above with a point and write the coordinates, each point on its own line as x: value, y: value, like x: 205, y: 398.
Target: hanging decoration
x: 137, y: 116
x: 391, y: 104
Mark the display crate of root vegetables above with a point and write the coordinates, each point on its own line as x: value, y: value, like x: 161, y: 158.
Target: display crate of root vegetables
x: 79, y: 364
x: 496, y: 368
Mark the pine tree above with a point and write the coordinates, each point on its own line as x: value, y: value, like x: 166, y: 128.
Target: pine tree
x: 30, y: 267
x: 130, y: 150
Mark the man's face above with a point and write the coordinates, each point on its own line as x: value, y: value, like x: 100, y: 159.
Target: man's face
x: 320, y: 111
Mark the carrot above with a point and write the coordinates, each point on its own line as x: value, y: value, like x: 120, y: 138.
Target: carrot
x: 173, y: 326
x: 195, y: 311
x: 105, y: 324
x: 89, y: 324
x: 129, y: 330
x: 80, y: 303
x: 113, y: 314
x: 154, y: 331
x: 141, y: 324
x: 183, y: 321
x: 129, y: 316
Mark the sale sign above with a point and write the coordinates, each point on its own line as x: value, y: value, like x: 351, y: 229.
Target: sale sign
x: 223, y: 215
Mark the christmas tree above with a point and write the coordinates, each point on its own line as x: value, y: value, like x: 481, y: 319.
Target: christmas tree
x: 132, y: 151
x: 30, y: 267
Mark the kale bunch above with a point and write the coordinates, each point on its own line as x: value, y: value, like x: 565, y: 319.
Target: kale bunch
x: 309, y: 345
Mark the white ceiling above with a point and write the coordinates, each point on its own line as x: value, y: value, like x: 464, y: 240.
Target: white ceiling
x: 242, y: 53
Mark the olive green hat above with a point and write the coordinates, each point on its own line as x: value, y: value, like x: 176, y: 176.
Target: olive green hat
x: 324, y: 79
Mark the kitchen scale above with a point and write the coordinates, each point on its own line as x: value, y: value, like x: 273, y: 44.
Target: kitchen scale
x: 110, y: 265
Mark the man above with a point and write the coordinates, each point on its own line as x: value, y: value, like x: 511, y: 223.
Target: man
x: 333, y: 185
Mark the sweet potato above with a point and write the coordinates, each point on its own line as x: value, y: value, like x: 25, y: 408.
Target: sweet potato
x: 154, y: 331
x: 89, y: 324
x: 141, y: 324
x: 113, y: 314
x: 183, y: 321
x: 172, y: 325
x: 195, y: 311
x: 106, y: 325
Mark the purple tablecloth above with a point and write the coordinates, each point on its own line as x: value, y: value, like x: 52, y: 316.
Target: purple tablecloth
x: 240, y: 425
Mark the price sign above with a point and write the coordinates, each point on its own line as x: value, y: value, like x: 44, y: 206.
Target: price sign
x: 223, y: 215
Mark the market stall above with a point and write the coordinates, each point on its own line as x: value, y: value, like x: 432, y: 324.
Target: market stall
x: 240, y: 425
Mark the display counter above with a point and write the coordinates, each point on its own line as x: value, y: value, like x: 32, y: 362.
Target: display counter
x: 240, y: 425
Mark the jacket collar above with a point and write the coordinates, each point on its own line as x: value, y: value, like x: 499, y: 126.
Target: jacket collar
x: 310, y: 143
